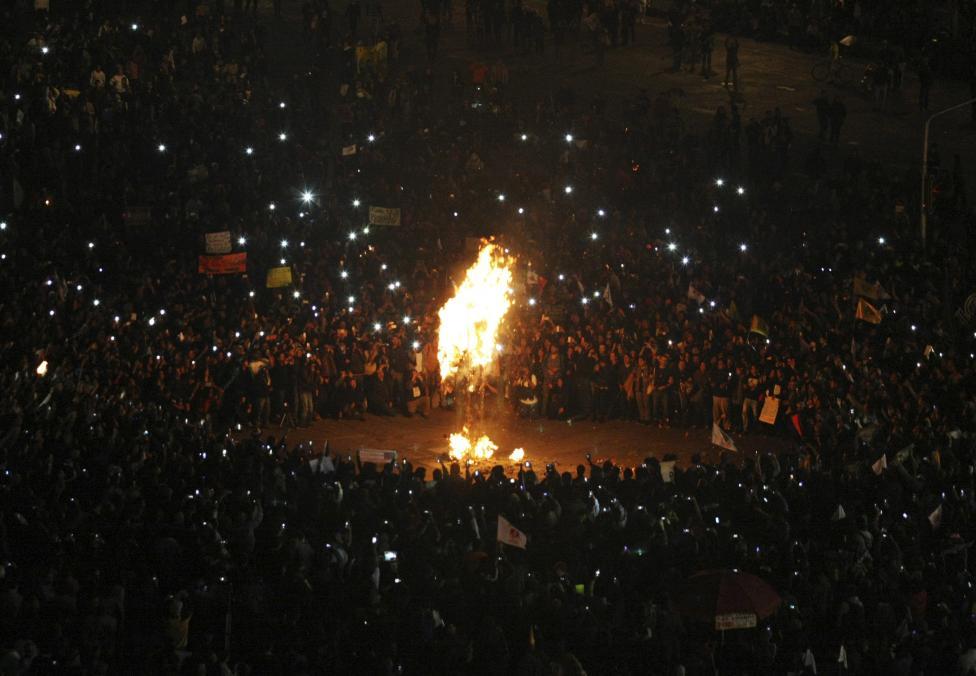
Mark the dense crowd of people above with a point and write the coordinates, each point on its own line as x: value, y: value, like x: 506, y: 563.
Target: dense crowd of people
x: 667, y: 275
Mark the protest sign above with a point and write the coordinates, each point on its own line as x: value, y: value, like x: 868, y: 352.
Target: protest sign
x: 384, y: 216
x: 667, y: 471
x: 227, y: 264
x: 278, y: 277
x: 218, y: 242
x: 735, y: 621
x: 769, y: 411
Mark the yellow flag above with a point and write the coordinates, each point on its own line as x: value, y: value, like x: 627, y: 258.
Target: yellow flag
x: 867, y: 312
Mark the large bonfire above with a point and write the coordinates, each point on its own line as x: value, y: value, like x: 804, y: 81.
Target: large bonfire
x: 467, y: 340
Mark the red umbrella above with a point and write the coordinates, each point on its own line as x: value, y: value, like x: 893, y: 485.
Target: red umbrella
x: 729, y: 598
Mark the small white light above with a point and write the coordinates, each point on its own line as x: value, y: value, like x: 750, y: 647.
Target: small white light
x: 685, y: 260
x: 501, y: 197
x: 281, y: 262
x: 371, y: 138
x: 281, y: 105
x: 594, y: 236
x: 242, y: 240
x: 913, y: 327
x: 249, y: 150
x: 284, y: 244
x: 601, y: 213
x: 79, y: 288
x: 416, y: 345
x: 568, y: 189
x: 719, y: 182
x: 561, y: 277
x: 376, y: 326
x: 296, y: 294
x: 91, y: 245
x: 521, y: 211
x: 3, y: 225
x: 161, y: 147
x: 531, y: 301
x: 366, y: 230
x: 302, y: 244
x: 152, y: 321
x: 743, y: 247
x: 569, y: 138
x: 741, y: 190
x: 715, y: 208
x: 271, y: 206
x: 44, y: 50
x: 525, y: 137
x: 596, y: 294
x: 343, y: 274
x: 307, y: 196
x: 355, y: 203
x: 391, y: 286
x: 135, y: 26
x: 250, y: 294
x: 51, y: 313
x: 585, y: 301
x: 96, y: 302
x: 406, y: 319
x: 283, y: 136
x: 352, y: 235
x: 881, y: 241
x: 455, y: 214
x: 672, y: 246
x: 352, y: 299
x: 77, y: 147
x: 383, y: 267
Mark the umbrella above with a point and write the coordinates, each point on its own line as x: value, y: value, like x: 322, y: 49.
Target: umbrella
x: 729, y: 598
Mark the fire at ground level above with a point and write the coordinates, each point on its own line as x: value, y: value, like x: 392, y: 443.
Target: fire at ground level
x: 424, y: 440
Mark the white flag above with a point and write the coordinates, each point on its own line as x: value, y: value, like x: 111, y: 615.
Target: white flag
x: 720, y: 438
x: 839, y: 514
x: 606, y: 295
x: 842, y: 656
x: 935, y: 518
x: 880, y: 465
x: 509, y: 534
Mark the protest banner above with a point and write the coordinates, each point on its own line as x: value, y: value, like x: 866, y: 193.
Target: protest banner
x: 278, y: 277
x: 722, y: 439
x: 735, y: 621
x: 227, y: 264
x: 218, y: 242
x: 384, y: 216
x: 349, y: 150
x: 376, y: 456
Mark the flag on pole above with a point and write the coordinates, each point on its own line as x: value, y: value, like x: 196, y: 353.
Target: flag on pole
x: 720, y: 438
x: 935, y: 518
x: 880, y: 465
x: 509, y: 534
x: 867, y: 312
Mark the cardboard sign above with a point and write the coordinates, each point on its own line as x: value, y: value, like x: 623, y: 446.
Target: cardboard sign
x: 667, y: 471
x: 384, y: 216
x: 769, y: 411
x: 278, y: 277
x: 735, y: 621
x: 218, y: 242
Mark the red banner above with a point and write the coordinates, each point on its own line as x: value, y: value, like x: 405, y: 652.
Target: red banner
x: 228, y: 264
